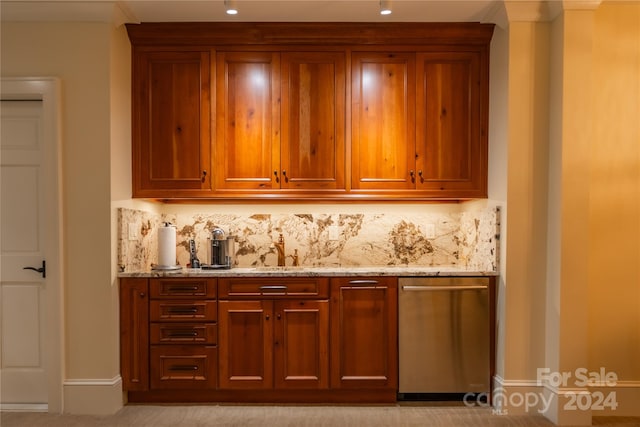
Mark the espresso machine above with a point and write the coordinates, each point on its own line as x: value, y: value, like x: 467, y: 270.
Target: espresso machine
x: 222, y: 250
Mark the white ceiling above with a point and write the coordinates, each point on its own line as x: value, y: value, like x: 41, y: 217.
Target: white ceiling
x: 249, y: 11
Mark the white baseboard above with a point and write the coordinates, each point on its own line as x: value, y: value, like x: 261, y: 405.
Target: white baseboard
x: 564, y: 405
x: 93, y: 396
x: 517, y: 397
x: 24, y: 407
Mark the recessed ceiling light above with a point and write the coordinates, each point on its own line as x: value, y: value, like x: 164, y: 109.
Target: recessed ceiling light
x: 232, y: 9
x: 385, y: 7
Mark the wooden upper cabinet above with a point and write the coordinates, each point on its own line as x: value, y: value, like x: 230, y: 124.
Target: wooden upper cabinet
x: 310, y: 111
x: 171, y: 126
x: 248, y: 120
x: 451, y: 156
x: 313, y: 120
x: 280, y: 121
x: 383, y: 121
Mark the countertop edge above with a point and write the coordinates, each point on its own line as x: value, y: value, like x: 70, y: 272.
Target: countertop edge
x: 311, y: 272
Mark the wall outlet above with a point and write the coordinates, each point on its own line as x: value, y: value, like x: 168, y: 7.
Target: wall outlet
x: 133, y: 232
x: 430, y: 231
x: 334, y: 232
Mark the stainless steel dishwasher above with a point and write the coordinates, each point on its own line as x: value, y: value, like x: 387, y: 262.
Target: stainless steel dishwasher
x: 443, y: 335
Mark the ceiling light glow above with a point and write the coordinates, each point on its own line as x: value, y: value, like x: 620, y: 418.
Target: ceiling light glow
x: 231, y: 7
x: 385, y: 7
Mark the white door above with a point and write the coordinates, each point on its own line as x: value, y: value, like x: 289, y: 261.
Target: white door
x: 23, y: 292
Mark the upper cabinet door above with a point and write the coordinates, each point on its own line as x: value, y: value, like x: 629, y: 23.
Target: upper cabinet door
x: 383, y: 121
x: 313, y: 120
x: 451, y: 121
x: 171, y: 126
x: 248, y: 121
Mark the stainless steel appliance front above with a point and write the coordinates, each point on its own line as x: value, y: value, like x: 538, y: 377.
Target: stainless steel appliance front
x: 444, y: 335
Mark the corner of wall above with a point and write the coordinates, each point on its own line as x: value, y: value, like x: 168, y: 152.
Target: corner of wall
x: 93, y: 397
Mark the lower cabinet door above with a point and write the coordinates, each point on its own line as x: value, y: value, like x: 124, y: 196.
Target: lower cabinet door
x: 134, y: 333
x: 301, y: 344
x: 188, y: 366
x: 274, y: 344
x: 364, y: 337
x: 245, y: 332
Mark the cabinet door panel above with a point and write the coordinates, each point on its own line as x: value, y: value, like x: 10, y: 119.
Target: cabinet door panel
x: 248, y: 120
x: 301, y: 344
x: 246, y: 344
x: 383, y: 120
x: 313, y: 120
x: 364, y: 340
x: 449, y: 137
x: 134, y: 333
x: 171, y: 138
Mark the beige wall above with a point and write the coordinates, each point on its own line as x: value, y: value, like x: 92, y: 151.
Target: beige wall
x: 526, y: 198
x: 498, y: 160
x: 614, y: 193
x: 79, y: 54
x: 572, y: 291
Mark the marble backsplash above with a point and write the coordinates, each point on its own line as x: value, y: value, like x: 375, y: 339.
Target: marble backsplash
x: 467, y: 240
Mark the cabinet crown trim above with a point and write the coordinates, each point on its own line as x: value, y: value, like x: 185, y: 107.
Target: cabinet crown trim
x: 309, y: 33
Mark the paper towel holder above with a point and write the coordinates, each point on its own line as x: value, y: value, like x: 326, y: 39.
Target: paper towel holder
x: 165, y: 267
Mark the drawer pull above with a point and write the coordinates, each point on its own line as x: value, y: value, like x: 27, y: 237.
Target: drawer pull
x: 182, y: 334
x: 183, y: 288
x: 363, y: 282
x: 183, y: 368
x: 183, y: 310
x: 273, y: 288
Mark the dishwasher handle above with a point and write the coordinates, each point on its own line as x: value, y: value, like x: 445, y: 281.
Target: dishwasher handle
x: 444, y: 288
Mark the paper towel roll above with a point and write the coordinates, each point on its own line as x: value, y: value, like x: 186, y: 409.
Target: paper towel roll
x: 167, y: 245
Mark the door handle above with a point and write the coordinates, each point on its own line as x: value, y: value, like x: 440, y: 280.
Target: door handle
x: 42, y: 270
x: 444, y: 288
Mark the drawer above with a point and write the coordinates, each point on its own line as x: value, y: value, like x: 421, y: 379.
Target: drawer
x: 182, y: 288
x: 183, y: 367
x: 184, y: 333
x: 183, y: 311
x: 307, y: 287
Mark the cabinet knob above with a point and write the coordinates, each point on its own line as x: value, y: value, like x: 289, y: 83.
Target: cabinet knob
x: 267, y: 317
x: 142, y: 295
x: 278, y: 316
x: 204, y: 175
x: 275, y: 173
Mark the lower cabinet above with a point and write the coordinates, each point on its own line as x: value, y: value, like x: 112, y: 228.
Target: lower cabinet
x: 183, y: 316
x: 274, y: 344
x: 168, y: 333
x: 308, y: 339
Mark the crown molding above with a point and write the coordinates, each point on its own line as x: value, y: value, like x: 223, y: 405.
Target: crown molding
x: 532, y: 11
x: 580, y: 4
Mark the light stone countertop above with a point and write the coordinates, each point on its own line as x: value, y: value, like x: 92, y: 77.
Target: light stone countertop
x: 312, y: 272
